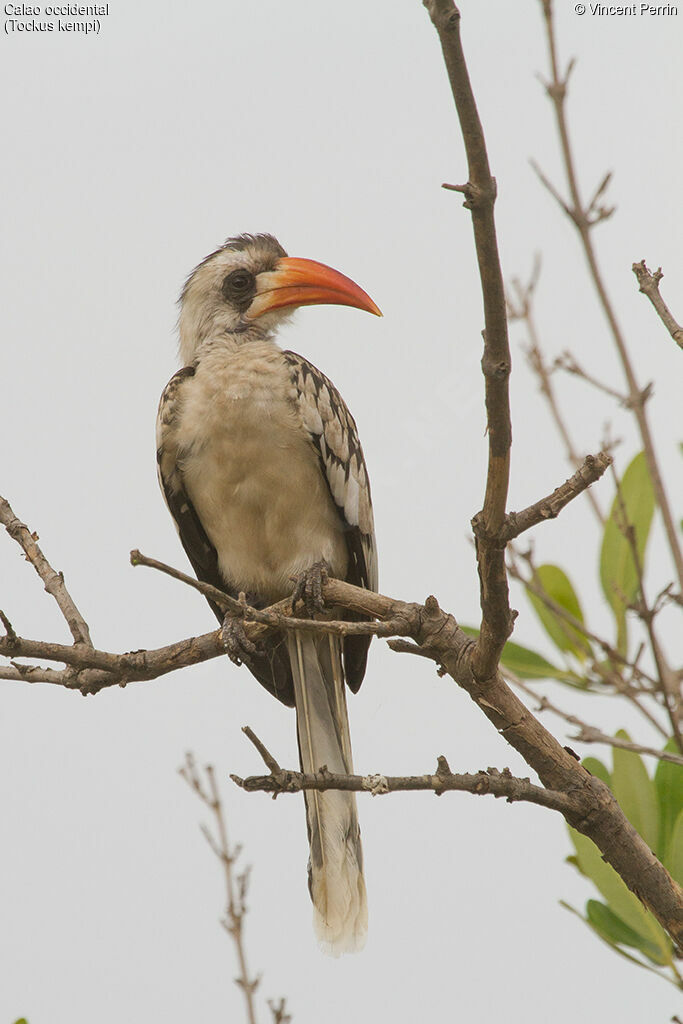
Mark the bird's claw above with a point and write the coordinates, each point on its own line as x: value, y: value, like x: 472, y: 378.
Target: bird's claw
x: 238, y: 646
x: 308, y: 590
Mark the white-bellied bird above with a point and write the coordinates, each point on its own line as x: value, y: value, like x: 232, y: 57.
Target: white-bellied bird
x: 262, y: 470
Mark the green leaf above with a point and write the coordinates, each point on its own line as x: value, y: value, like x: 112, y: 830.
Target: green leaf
x: 620, y: 899
x: 613, y: 929
x: 611, y: 944
x: 597, y: 768
x: 674, y: 856
x: 527, y: 664
x: 558, y: 587
x: 669, y: 789
x: 618, y: 574
x: 635, y: 791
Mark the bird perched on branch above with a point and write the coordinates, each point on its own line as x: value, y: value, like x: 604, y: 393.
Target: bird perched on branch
x: 262, y: 470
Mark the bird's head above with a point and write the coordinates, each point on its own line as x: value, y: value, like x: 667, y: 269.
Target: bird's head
x: 249, y: 286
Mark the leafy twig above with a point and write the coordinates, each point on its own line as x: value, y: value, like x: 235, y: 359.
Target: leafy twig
x: 580, y: 215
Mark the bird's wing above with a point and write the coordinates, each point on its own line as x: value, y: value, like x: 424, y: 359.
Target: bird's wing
x: 334, y: 436
x: 271, y: 666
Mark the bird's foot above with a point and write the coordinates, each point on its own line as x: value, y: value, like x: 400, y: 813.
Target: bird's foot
x: 238, y: 646
x: 308, y: 590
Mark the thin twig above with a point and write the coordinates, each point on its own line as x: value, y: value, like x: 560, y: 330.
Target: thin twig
x: 270, y: 617
x: 667, y: 684
x: 547, y: 184
x: 224, y: 601
x: 54, y: 581
x: 592, y: 469
x: 649, y: 285
x: 589, y: 733
x: 568, y: 363
x: 279, y: 615
x: 236, y: 887
x: 279, y: 1012
x: 268, y: 758
x: 10, y: 631
x: 538, y: 365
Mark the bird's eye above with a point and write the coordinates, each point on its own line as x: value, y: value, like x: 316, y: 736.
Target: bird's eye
x: 238, y: 284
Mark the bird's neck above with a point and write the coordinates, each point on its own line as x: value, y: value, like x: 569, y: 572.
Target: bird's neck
x: 195, y: 344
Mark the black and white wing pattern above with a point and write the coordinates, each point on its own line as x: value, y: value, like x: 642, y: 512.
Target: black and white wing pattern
x: 271, y: 665
x: 332, y: 430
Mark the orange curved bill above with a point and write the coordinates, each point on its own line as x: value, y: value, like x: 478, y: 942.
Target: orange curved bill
x: 301, y: 282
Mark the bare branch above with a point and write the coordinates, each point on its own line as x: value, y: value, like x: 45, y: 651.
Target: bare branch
x: 550, y: 507
x: 92, y: 670
x: 649, y: 285
x: 224, y: 601
x: 491, y: 781
x: 269, y: 617
x: 9, y: 628
x: 268, y: 758
x: 480, y: 193
x: 278, y: 616
x: 406, y: 647
x: 54, y: 581
x: 18, y: 673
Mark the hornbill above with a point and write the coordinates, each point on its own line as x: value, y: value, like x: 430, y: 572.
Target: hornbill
x: 262, y: 470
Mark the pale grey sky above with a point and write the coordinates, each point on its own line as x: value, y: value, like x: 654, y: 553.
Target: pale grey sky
x: 129, y: 156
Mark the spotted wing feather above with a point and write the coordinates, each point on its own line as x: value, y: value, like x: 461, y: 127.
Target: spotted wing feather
x: 334, y: 436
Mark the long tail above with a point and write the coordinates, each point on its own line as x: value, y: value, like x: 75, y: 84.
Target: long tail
x: 335, y: 867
